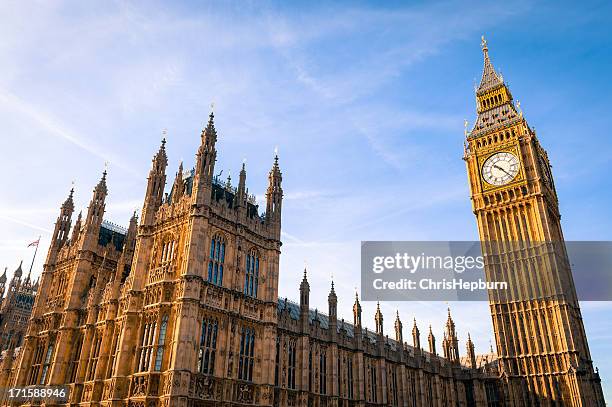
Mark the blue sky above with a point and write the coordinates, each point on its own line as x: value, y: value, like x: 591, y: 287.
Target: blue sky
x: 365, y: 103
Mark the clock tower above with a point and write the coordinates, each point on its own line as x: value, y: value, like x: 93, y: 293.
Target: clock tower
x: 542, y: 347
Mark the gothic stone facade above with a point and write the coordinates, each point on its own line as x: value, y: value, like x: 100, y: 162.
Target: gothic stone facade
x: 182, y: 309
x: 15, y: 307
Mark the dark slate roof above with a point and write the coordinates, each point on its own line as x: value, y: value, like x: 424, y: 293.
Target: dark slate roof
x: 110, y: 232
x: 500, y: 115
x: 490, y: 79
x: 294, y: 313
x: 220, y: 191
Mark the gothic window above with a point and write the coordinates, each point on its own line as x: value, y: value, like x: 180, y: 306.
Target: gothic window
x: 349, y: 374
x: 310, y: 370
x: 95, y: 355
x: 161, y: 342
x: 113, y: 361
x: 208, y: 346
x: 394, y: 385
x: 291, y: 363
x: 216, y: 260
x: 247, y: 348
x: 168, y: 251
x: 322, y: 372
x: 251, y: 280
x: 146, y: 346
x: 36, y: 364
x: 47, y: 363
x: 74, y: 363
x: 277, y: 361
x: 373, y: 393
x: 338, y: 374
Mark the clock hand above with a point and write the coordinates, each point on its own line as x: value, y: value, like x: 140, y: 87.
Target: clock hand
x: 501, y: 169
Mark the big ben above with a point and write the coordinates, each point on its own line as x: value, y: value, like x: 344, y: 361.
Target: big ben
x: 544, y: 357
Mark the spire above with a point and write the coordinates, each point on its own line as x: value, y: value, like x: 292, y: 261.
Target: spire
x: 432, y: 342
x: 62, y: 226
x: 205, y: 163
x: 19, y: 271
x: 241, y: 192
x: 177, y: 188
x: 95, y: 212
x: 274, y: 195
x: 304, y: 294
x: 155, y: 185
x: 398, y: 328
x: 416, y: 336
x: 471, y: 354
x: 378, y: 319
x: 332, y: 301
x: 490, y: 79
x: 3, y: 276
x: 357, y: 312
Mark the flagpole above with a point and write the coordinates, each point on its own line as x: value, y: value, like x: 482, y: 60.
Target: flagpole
x: 33, y: 258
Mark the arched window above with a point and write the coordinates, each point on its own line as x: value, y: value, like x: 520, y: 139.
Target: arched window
x: 216, y: 260
x: 208, y: 346
x: 247, y: 354
x: 291, y: 362
x: 251, y: 278
x: 161, y: 342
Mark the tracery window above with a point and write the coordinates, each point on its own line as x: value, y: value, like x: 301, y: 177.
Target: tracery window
x: 349, y: 374
x: 74, y: 363
x: 216, y: 260
x: 208, y: 346
x: 168, y: 253
x: 47, y: 363
x: 115, y: 347
x: 251, y: 279
x: 277, y: 361
x: 146, y: 346
x: 95, y: 355
x: 322, y: 372
x: 291, y: 365
x: 161, y: 343
x: 36, y: 363
x: 247, y: 354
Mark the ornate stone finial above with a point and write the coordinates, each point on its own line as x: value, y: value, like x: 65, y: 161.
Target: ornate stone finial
x: 518, y: 107
x: 465, y: 127
x: 483, y: 44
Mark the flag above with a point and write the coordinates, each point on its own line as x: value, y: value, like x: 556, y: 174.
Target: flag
x: 34, y: 243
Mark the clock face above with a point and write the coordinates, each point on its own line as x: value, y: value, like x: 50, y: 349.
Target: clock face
x: 500, y: 168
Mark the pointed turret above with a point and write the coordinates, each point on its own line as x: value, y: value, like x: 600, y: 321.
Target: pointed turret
x: 451, y: 343
x: 155, y: 186
x: 95, y: 211
x: 19, y: 272
x: 76, y: 230
x: 62, y: 227
x: 398, y: 328
x: 357, y: 312
x: 416, y: 336
x: 378, y: 319
x: 205, y: 163
x: 274, y: 197
x: 304, y: 295
x: 3, y: 276
x: 178, y: 187
x: 332, y: 301
x: 471, y: 354
x: 241, y: 191
x: 432, y: 342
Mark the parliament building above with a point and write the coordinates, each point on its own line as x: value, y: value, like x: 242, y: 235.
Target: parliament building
x: 181, y: 308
